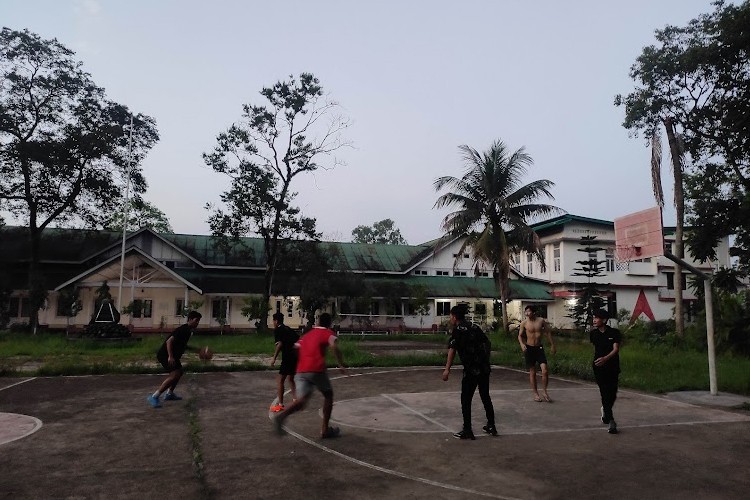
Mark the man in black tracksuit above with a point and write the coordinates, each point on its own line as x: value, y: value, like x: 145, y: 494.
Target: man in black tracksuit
x: 606, y: 364
x: 473, y: 347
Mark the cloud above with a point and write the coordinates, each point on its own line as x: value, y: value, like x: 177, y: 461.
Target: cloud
x: 88, y: 7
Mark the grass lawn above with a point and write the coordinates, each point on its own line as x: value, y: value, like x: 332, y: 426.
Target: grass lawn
x: 645, y: 367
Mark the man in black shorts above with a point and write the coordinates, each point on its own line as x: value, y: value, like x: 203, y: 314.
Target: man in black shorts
x: 285, y: 339
x: 169, y: 355
x: 532, y: 328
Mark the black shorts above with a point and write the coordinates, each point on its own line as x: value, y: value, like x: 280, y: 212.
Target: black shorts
x: 534, y: 354
x: 288, y: 367
x: 164, y: 362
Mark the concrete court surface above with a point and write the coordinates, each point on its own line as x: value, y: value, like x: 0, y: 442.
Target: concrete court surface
x: 95, y: 437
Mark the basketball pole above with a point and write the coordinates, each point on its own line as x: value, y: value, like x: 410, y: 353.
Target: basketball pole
x: 125, y: 213
x: 709, y: 318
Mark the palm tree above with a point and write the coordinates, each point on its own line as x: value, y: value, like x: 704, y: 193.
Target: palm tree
x: 494, y: 210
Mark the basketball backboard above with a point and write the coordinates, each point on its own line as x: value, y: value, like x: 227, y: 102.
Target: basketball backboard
x: 639, y: 235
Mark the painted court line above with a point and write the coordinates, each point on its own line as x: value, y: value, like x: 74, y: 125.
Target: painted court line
x: 18, y: 383
x: 396, y: 473
x: 431, y: 420
x: 10, y: 421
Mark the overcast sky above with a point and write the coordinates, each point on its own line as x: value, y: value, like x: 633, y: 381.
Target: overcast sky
x: 417, y: 79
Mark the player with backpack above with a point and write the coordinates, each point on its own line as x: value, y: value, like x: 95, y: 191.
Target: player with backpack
x: 473, y: 347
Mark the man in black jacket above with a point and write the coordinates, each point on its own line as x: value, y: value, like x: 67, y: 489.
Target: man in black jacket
x: 473, y: 347
x: 169, y: 355
x: 606, y: 364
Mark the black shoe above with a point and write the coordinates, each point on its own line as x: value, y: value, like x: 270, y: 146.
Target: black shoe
x: 605, y: 419
x: 490, y: 429
x: 464, y: 434
x: 612, y: 427
x: 331, y: 432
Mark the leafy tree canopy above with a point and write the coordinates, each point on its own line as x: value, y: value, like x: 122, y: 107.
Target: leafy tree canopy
x: 384, y: 231
x: 141, y: 214
x: 295, y: 132
x: 698, y: 77
x: 64, y: 147
x: 63, y: 144
x: 493, y: 209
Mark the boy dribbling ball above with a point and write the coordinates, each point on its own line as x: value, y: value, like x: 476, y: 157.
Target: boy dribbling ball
x: 205, y: 353
x: 169, y: 355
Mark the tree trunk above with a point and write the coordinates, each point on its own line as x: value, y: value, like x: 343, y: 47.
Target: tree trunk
x: 501, y: 284
x: 679, y: 203
x: 35, y: 292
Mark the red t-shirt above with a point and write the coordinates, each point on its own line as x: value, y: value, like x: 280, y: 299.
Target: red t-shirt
x: 312, y: 350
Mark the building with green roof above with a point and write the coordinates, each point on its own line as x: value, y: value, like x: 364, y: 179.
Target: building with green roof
x: 163, y: 274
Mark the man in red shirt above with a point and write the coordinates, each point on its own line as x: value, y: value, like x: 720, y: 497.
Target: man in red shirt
x: 311, y: 372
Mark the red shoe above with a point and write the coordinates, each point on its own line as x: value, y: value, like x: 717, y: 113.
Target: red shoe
x: 277, y: 408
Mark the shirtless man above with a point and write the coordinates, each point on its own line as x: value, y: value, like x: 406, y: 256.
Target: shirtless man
x: 533, y: 350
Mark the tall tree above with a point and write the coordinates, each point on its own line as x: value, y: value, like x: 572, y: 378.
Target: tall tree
x: 494, y: 210
x: 63, y: 145
x: 140, y: 214
x: 384, y: 231
x: 589, y: 298
x: 263, y: 154
x: 696, y: 84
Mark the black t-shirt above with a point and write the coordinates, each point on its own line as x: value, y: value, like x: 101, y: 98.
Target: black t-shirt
x: 473, y: 347
x: 287, y: 337
x: 181, y: 336
x: 603, y: 344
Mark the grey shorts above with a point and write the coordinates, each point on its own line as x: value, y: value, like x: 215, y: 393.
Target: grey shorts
x: 305, y: 382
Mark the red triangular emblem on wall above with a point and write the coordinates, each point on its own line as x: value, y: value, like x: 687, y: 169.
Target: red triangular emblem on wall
x: 642, y: 307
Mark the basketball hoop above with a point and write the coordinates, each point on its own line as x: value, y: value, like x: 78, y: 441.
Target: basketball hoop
x: 624, y: 254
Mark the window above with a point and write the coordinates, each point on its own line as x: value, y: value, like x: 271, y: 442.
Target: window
x: 459, y: 273
x: 420, y: 272
x: 483, y: 274
x: 63, y: 309
x: 612, y: 305
x: 442, y: 273
x: 409, y: 308
x: 529, y: 263
x: 517, y: 261
x: 541, y: 310
x: 142, y: 308
x: 18, y: 307
x: 443, y: 308
x: 609, y: 257
x: 465, y: 256
x: 278, y: 306
x: 556, y: 257
x: 220, y: 309
x: 290, y: 308
x: 375, y: 308
x: 670, y: 281
x: 480, y: 309
x: 179, y: 307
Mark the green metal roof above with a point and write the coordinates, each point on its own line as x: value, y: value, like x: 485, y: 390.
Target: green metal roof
x: 247, y: 281
x: 62, y: 245
x: 565, y: 219
x: 380, y: 257
x: 451, y: 286
x: 67, y: 253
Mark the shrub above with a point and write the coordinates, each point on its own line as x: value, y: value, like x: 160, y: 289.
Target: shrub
x: 107, y: 331
x: 20, y: 328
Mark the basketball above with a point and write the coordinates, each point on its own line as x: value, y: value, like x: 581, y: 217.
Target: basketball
x: 205, y: 353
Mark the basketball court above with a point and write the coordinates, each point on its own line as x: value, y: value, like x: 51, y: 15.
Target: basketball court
x: 91, y: 437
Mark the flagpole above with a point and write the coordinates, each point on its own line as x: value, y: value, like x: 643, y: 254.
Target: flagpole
x: 125, y: 212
